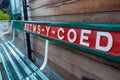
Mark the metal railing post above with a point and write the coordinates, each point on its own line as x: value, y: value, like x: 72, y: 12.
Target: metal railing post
x: 27, y: 34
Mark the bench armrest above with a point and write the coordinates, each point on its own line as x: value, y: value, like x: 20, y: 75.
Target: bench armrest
x: 2, y: 35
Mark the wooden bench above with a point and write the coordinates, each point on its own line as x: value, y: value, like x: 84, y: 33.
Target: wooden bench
x: 84, y: 36
x: 16, y: 65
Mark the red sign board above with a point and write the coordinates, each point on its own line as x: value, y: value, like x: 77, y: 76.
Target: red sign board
x: 105, y: 41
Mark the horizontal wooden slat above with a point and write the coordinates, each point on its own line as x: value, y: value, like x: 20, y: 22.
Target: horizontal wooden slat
x: 63, y: 73
x: 42, y: 3
x: 109, y: 17
x: 91, y: 67
x: 39, y: 42
x: 31, y: 0
x: 76, y: 72
x: 70, y: 61
x: 79, y: 6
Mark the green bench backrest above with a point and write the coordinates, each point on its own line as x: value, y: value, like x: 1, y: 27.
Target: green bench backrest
x: 100, y: 39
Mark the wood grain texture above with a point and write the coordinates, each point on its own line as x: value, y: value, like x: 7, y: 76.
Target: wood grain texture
x: 43, y: 3
x: 108, y: 17
x: 79, y: 6
x: 40, y: 43
x: 70, y: 63
x: 75, y: 64
x: 28, y: 1
x: 63, y: 73
x: 71, y: 69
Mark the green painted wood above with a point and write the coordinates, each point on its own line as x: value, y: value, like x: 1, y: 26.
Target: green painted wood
x: 17, y: 24
x: 6, y: 66
x: 21, y: 62
x: 28, y: 62
x: 14, y: 65
x: 0, y: 75
x: 27, y: 66
x: 83, y: 25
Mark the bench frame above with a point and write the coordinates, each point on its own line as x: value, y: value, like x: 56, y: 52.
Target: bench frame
x: 28, y: 67
x: 20, y: 25
x: 114, y: 27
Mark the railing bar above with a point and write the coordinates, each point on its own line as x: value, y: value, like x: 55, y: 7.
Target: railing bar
x: 0, y: 75
x: 40, y: 74
x: 17, y: 70
x: 22, y: 64
x: 7, y: 69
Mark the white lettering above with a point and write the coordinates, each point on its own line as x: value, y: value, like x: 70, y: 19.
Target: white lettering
x: 47, y: 28
x: 34, y: 28
x: 58, y: 34
x: 74, y: 37
x: 31, y: 27
x: 27, y: 27
x: 83, y: 37
x: 38, y: 29
x: 109, y: 44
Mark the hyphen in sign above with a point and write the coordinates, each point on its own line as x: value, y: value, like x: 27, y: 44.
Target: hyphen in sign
x: 108, y: 42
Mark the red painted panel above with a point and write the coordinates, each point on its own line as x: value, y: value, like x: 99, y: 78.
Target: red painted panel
x: 105, y: 41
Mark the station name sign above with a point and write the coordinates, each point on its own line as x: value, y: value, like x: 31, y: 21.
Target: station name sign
x: 104, y: 41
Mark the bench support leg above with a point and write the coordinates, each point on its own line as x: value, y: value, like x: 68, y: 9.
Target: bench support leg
x: 27, y: 34
x: 46, y: 55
